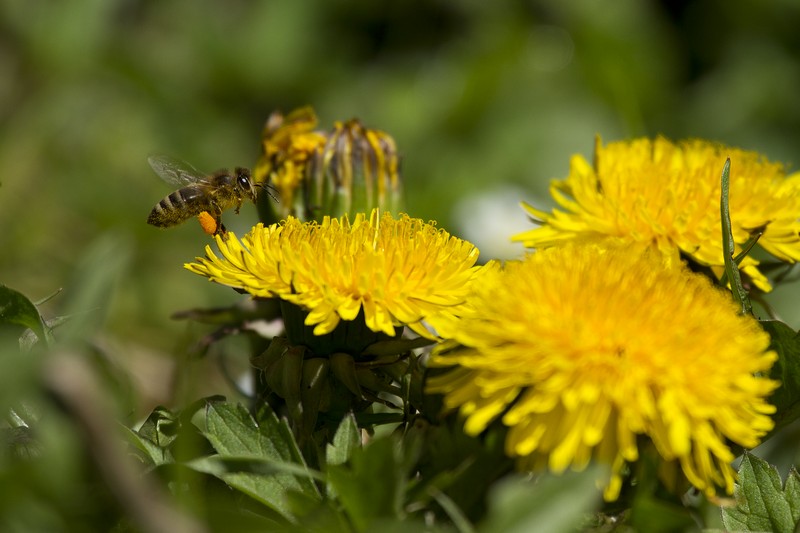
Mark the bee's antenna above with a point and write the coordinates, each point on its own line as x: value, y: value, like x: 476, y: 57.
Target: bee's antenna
x: 268, y: 188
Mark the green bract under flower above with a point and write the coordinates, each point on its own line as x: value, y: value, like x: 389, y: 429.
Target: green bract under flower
x: 667, y: 195
x: 580, y: 350
x: 398, y: 271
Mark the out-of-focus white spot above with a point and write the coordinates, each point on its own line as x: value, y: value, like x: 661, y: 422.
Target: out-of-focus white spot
x: 489, y: 220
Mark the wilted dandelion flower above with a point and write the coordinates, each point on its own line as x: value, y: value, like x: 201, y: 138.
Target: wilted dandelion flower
x: 288, y: 145
x: 667, y: 194
x: 349, y: 168
x: 579, y: 350
x: 396, y: 271
x: 358, y: 168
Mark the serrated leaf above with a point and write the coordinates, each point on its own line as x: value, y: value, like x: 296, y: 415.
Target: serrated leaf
x: 786, y: 343
x: 761, y: 502
x: 370, y: 486
x: 550, y: 503
x: 345, y: 442
x: 234, y: 433
x: 16, y: 308
x: 792, y: 490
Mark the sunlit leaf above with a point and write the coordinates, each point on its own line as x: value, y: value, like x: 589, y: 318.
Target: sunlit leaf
x: 762, y: 503
x: 235, y: 434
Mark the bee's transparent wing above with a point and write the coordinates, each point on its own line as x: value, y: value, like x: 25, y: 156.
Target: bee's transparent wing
x: 176, y: 172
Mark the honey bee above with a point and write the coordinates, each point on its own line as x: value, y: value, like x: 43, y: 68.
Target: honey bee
x: 199, y: 194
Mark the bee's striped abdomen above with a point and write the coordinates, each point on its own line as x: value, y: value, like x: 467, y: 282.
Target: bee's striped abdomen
x: 179, y: 206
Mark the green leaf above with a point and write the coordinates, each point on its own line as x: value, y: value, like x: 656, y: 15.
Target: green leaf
x: 156, y: 435
x: 652, y: 508
x: 786, y: 342
x: 235, y: 434
x: 453, y: 511
x: 218, y: 466
x: 761, y: 502
x: 461, y: 466
x: 728, y: 245
x: 346, y: 440
x: 157, y: 455
x: 654, y: 515
x: 549, y: 503
x: 160, y: 428
x: 371, y: 486
x: 15, y: 308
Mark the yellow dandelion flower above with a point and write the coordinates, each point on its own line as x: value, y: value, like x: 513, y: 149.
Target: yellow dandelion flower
x: 396, y: 271
x: 667, y: 194
x: 288, y: 146
x: 580, y: 349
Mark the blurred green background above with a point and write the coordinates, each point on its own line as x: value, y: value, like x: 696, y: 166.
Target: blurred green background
x: 487, y: 101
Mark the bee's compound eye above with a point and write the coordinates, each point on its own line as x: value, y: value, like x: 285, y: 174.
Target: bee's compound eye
x: 244, y: 181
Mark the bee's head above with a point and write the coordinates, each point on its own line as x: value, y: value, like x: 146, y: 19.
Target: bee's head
x: 245, y: 183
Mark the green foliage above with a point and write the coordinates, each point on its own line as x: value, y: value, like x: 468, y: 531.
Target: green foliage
x: 367, y: 487
x: 15, y: 308
x: 728, y: 247
x: 548, y: 503
x: 346, y: 441
x: 235, y: 434
x: 786, y: 399
x: 371, y: 485
x: 762, y: 502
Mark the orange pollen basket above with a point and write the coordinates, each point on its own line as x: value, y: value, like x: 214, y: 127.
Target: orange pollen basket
x: 207, y: 222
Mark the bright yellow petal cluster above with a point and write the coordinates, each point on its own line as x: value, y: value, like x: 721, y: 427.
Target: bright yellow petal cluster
x: 288, y: 144
x: 397, y: 271
x: 667, y: 194
x: 580, y: 349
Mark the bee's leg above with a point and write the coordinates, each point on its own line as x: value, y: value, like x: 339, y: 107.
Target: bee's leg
x: 238, y: 206
x: 216, y: 215
x: 220, y: 226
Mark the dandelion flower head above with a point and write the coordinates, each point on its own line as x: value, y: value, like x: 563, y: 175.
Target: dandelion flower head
x: 668, y: 194
x: 396, y: 271
x: 580, y: 349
